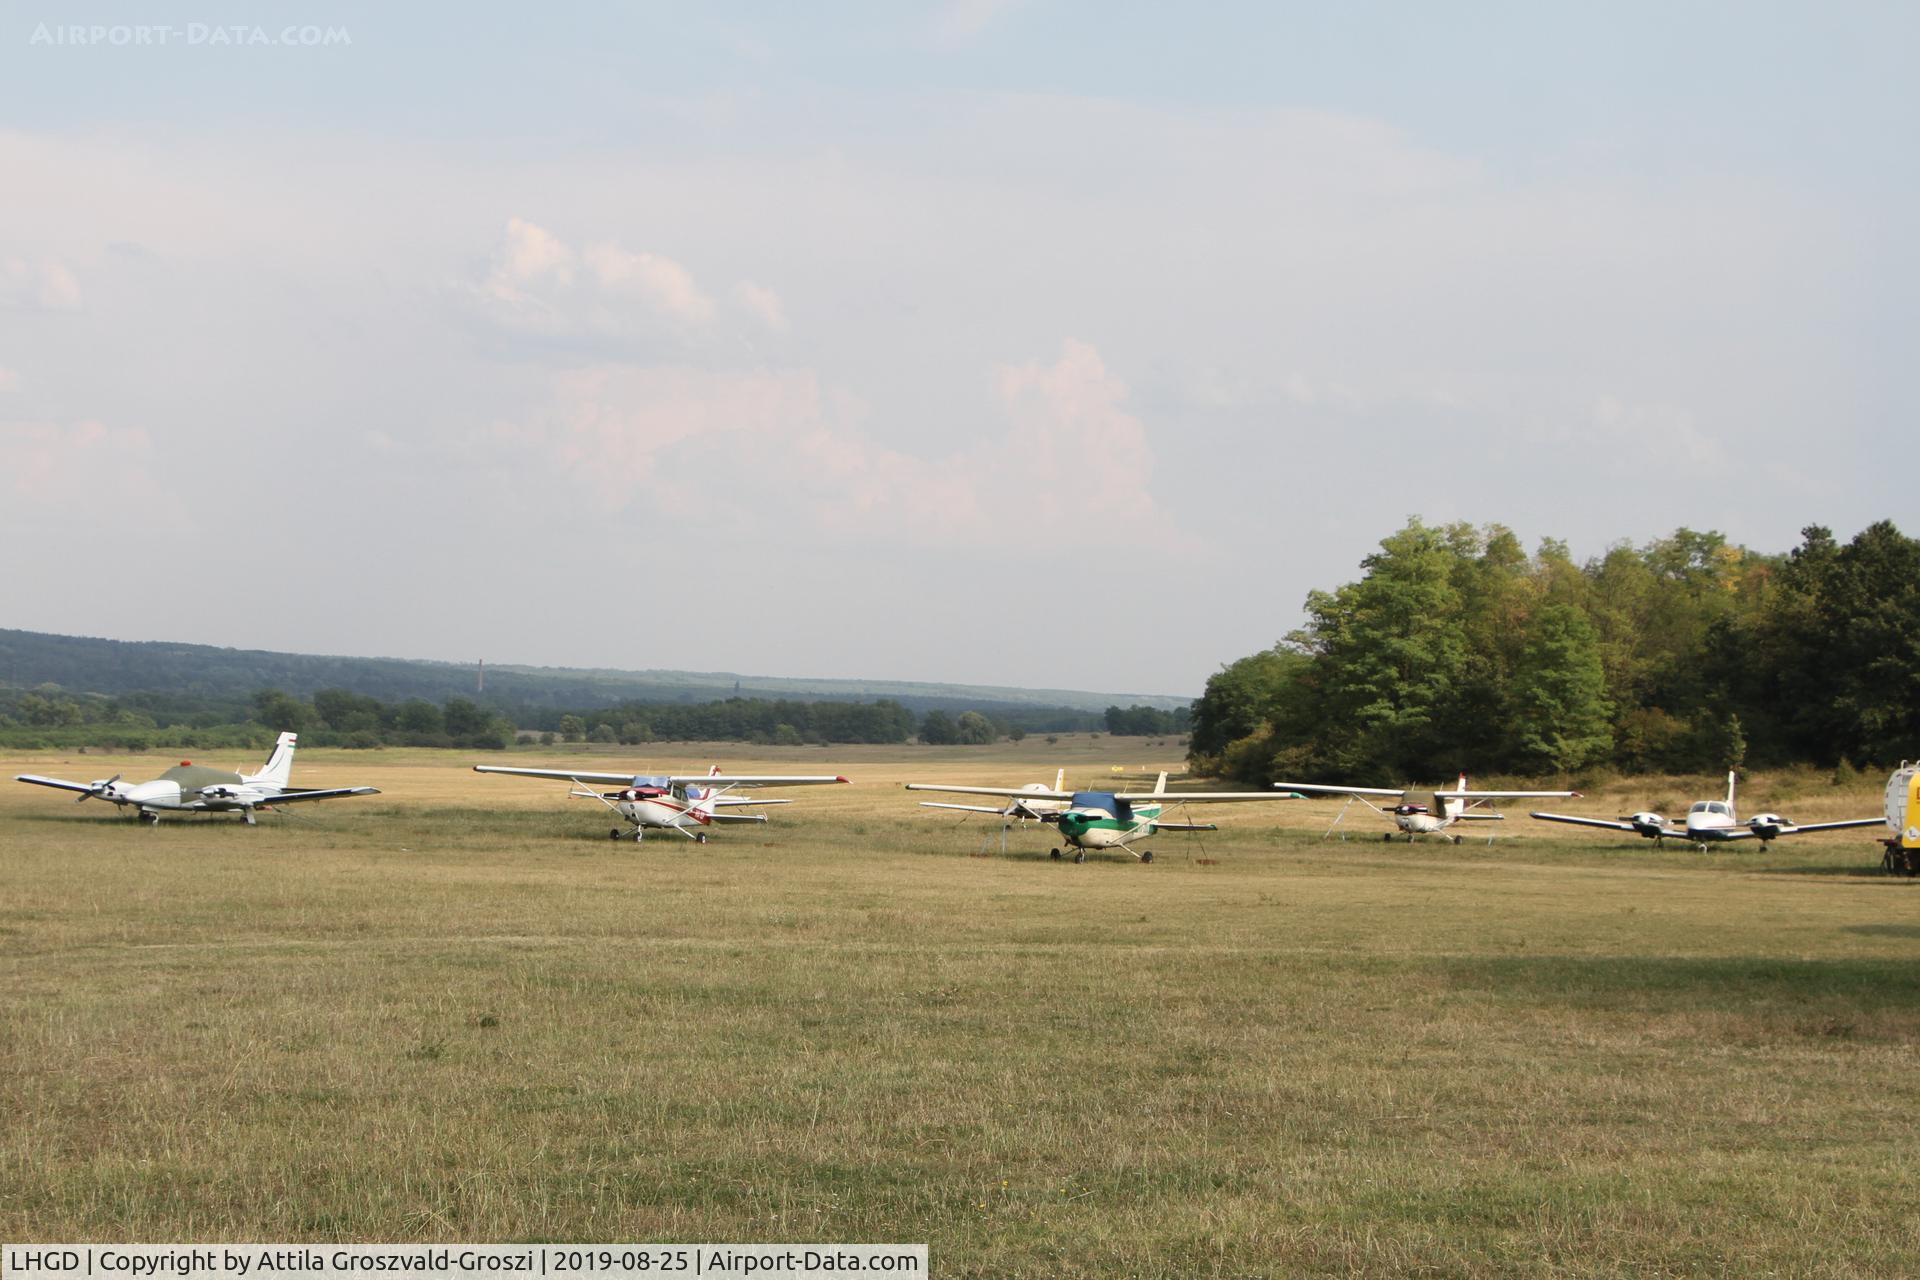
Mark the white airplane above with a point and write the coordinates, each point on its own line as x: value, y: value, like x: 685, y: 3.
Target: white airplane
x: 195, y: 788
x: 675, y: 802
x: 1414, y: 816
x: 1023, y: 805
x: 1708, y: 822
x: 1108, y: 819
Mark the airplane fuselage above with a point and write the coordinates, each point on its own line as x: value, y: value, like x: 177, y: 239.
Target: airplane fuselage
x: 1095, y: 827
x: 646, y: 808
x: 188, y: 788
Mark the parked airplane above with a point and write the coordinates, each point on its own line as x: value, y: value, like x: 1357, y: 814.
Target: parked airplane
x: 1108, y: 819
x: 1021, y: 805
x: 195, y: 788
x: 1903, y: 821
x: 676, y: 802
x: 1709, y: 821
x: 1414, y: 816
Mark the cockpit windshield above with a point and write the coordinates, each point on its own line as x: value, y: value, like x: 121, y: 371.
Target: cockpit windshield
x: 1712, y: 806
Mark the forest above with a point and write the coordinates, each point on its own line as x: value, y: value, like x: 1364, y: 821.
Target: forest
x: 1457, y: 650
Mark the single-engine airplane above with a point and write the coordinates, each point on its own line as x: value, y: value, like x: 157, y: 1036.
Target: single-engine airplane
x: 1108, y: 819
x: 1413, y: 815
x: 195, y: 788
x: 674, y: 802
x: 1708, y: 822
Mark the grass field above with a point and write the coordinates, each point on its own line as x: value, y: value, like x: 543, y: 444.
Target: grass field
x: 457, y: 1011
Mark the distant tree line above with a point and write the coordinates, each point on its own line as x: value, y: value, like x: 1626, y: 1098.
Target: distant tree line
x: 1458, y: 650
x: 1148, y: 722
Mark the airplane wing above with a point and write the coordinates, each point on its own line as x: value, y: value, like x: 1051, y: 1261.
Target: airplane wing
x: 325, y: 793
x: 741, y: 779
x: 1011, y: 793
x: 1507, y: 795
x: 1202, y: 797
x: 967, y: 808
x: 1832, y: 826
x: 565, y: 775
x: 61, y: 783
x: 1341, y: 791
x: 1608, y: 823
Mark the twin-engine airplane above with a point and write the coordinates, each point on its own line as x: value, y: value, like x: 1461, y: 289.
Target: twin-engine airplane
x: 1708, y: 822
x: 195, y: 788
x: 1414, y: 816
x: 1106, y: 819
x: 675, y: 802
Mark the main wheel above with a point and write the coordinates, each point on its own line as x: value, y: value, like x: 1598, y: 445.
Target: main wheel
x: 1146, y: 855
x: 700, y: 837
x: 1054, y: 854
x: 1386, y: 835
x: 614, y: 834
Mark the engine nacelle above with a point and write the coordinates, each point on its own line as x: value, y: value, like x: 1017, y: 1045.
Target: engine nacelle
x: 1767, y: 825
x: 1648, y: 824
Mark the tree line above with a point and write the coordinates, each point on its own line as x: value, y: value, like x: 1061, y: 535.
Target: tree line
x: 1458, y: 650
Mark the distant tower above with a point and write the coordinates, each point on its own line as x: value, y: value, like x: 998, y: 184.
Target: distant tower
x: 480, y: 680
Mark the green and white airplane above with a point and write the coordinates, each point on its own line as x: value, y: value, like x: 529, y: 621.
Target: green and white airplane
x: 195, y: 788
x: 1110, y: 819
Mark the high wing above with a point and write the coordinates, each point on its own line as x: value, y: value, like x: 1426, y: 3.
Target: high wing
x: 324, y: 793
x: 1506, y: 795
x: 1200, y: 797
x: 1341, y: 791
x: 757, y: 779
x: 628, y: 779
x: 61, y: 783
x: 1609, y: 824
x: 1832, y: 826
x: 1011, y: 793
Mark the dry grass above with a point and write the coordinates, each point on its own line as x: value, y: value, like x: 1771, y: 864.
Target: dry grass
x: 456, y: 1010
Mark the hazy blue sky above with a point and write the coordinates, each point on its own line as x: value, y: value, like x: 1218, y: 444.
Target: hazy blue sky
x: 1041, y: 343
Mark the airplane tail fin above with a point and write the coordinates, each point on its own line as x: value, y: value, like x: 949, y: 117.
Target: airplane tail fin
x: 1730, y: 777
x: 1060, y: 780
x: 1160, y: 783
x: 1455, y: 807
x: 714, y: 772
x: 279, y: 766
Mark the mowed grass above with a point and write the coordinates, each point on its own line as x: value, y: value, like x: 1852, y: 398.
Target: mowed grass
x: 457, y: 1011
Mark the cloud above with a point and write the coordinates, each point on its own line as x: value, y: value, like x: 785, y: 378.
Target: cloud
x: 41, y: 284
x: 763, y: 304
x: 961, y: 20
x: 537, y: 283
x: 779, y: 448
x: 9, y: 379
x: 47, y: 461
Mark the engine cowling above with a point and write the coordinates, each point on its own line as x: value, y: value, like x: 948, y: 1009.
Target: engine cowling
x: 1767, y: 825
x: 1647, y: 824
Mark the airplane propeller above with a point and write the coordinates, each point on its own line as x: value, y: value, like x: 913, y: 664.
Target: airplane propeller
x: 99, y: 790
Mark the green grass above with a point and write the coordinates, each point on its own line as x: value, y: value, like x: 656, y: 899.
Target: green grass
x: 457, y: 1011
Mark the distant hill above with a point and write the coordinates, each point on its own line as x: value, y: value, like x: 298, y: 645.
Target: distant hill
x: 85, y: 664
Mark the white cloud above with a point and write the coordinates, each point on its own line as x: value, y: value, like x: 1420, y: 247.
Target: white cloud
x: 43, y: 284
x: 763, y: 303
x: 539, y: 283
x: 47, y: 462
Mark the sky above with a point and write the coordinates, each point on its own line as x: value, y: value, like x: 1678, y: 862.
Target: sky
x: 1001, y: 341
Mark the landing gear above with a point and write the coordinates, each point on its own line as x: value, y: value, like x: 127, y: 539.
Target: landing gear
x: 1054, y: 854
x: 1079, y: 855
x: 1386, y: 835
x: 1146, y: 855
x: 1900, y: 861
x: 699, y: 837
x: 1455, y: 839
x: 150, y: 818
x: 614, y: 834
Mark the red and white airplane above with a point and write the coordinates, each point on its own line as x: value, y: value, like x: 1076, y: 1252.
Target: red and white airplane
x: 1414, y: 816
x: 1708, y: 822
x: 686, y: 803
